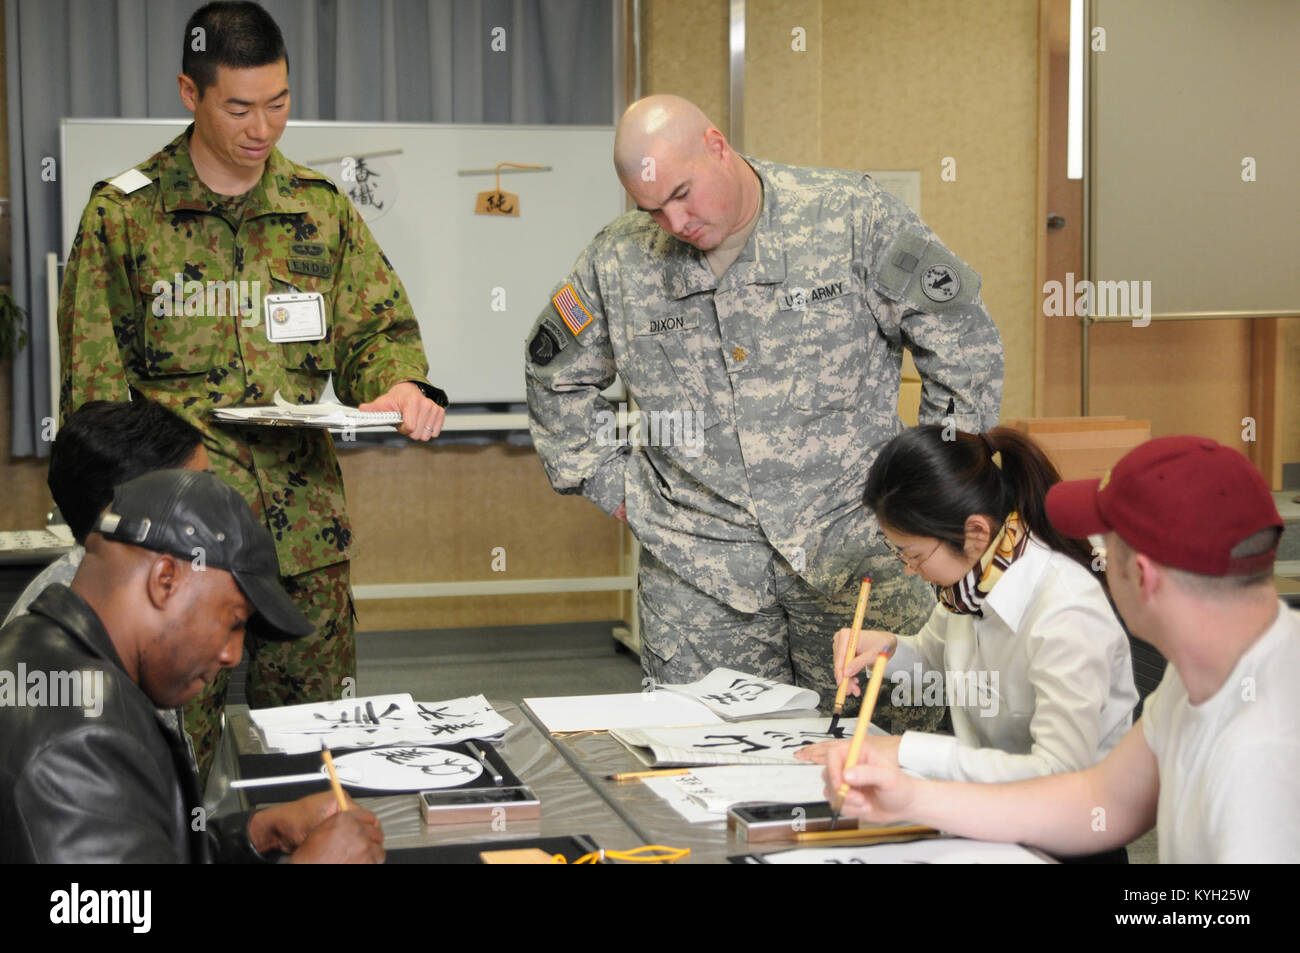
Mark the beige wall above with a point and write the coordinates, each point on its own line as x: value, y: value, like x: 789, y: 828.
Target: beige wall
x: 435, y: 514
x: 685, y: 52
x: 894, y: 96
x: 878, y: 87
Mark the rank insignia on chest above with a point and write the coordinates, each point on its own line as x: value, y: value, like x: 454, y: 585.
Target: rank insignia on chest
x: 571, y: 309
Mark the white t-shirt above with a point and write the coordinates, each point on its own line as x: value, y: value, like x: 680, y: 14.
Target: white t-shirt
x: 1042, y: 684
x: 1230, y: 766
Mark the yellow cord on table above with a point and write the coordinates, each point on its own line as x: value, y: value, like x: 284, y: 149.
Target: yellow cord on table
x: 648, y: 854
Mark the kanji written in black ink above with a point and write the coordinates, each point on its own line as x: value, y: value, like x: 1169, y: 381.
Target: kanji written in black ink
x: 749, y: 689
x: 797, y: 740
x: 401, y: 755
x: 450, y: 728
x: 364, y: 192
x: 411, y: 756
x: 740, y: 690
x: 733, y: 742
x: 723, y: 698
x: 450, y: 766
x: 359, y: 716
x: 434, y: 714
x: 496, y: 202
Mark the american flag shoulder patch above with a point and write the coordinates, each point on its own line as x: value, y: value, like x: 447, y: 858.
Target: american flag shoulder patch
x: 571, y: 309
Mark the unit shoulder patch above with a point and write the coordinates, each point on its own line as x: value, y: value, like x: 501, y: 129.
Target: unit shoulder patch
x: 547, y: 341
x: 921, y: 272
x: 940, y: 282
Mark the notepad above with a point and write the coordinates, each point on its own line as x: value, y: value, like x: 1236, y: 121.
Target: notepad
x: 738, y: 696
x: 327, y: 415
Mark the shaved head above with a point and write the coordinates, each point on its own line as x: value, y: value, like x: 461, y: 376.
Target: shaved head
x: 676, y: 165
x: 658, y: 126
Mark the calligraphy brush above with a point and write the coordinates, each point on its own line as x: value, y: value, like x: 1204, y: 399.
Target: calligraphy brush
x: 334, y: 778
x: 860, y: 732
x: 863, y: 595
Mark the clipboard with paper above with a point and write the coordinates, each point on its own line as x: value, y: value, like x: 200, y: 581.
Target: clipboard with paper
x: 325, y: 414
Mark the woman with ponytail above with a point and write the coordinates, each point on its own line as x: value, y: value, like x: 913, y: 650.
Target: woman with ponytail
x: 1023, y: 647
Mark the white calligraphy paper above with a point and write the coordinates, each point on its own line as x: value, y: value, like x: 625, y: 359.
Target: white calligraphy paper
x: 706, y: 794
x: 678, y: 796
x: 765, y: 741
x: 937, y: 850
x: 405, y: 769
x: 737, y: 696
x: 370, y: 181
x: 622, y: 710
x: 376, y: 720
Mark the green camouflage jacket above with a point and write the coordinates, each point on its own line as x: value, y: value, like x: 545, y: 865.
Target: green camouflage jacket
x: 763, y: 396
x: 162, y: 295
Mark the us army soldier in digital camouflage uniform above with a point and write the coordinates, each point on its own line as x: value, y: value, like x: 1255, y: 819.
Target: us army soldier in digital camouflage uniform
x: 758, y: 315
x: 146, y: 307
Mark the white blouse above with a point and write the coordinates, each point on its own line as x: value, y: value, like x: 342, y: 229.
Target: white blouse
x: 1042, y: 684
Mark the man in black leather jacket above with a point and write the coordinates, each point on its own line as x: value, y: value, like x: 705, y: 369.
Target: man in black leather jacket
x: 89, y: 772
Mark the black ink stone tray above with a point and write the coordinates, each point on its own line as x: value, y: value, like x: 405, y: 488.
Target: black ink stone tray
x: 272, y: 765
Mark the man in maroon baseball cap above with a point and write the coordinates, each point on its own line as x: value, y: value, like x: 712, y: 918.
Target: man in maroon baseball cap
x: 1191, y: 534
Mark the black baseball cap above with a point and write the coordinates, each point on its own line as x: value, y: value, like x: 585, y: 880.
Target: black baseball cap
x: 177, y: 511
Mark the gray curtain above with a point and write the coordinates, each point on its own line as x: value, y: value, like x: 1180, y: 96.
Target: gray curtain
x: 349, y: 60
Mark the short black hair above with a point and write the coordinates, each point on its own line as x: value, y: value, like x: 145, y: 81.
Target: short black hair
x: 105, y: 443
x: 240, y: 35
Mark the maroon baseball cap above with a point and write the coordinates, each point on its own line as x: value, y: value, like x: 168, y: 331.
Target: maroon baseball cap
x: 1183, y: 501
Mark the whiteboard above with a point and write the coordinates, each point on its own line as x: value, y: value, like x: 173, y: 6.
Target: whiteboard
x: 456, y: 265
x: 1185, y: 94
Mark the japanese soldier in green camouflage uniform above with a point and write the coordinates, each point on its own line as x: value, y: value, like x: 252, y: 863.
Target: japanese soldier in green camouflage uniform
x: 758, y: 315
x: 164, y: 295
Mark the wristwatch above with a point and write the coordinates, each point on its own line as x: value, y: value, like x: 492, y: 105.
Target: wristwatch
x: 435, y: 394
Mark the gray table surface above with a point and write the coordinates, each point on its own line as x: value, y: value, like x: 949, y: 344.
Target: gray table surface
x: 566, y: 771
x: 569, y: 805
x: 594, y: 755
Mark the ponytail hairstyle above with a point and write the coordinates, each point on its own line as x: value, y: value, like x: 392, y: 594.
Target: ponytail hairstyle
x: 923, y: 485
